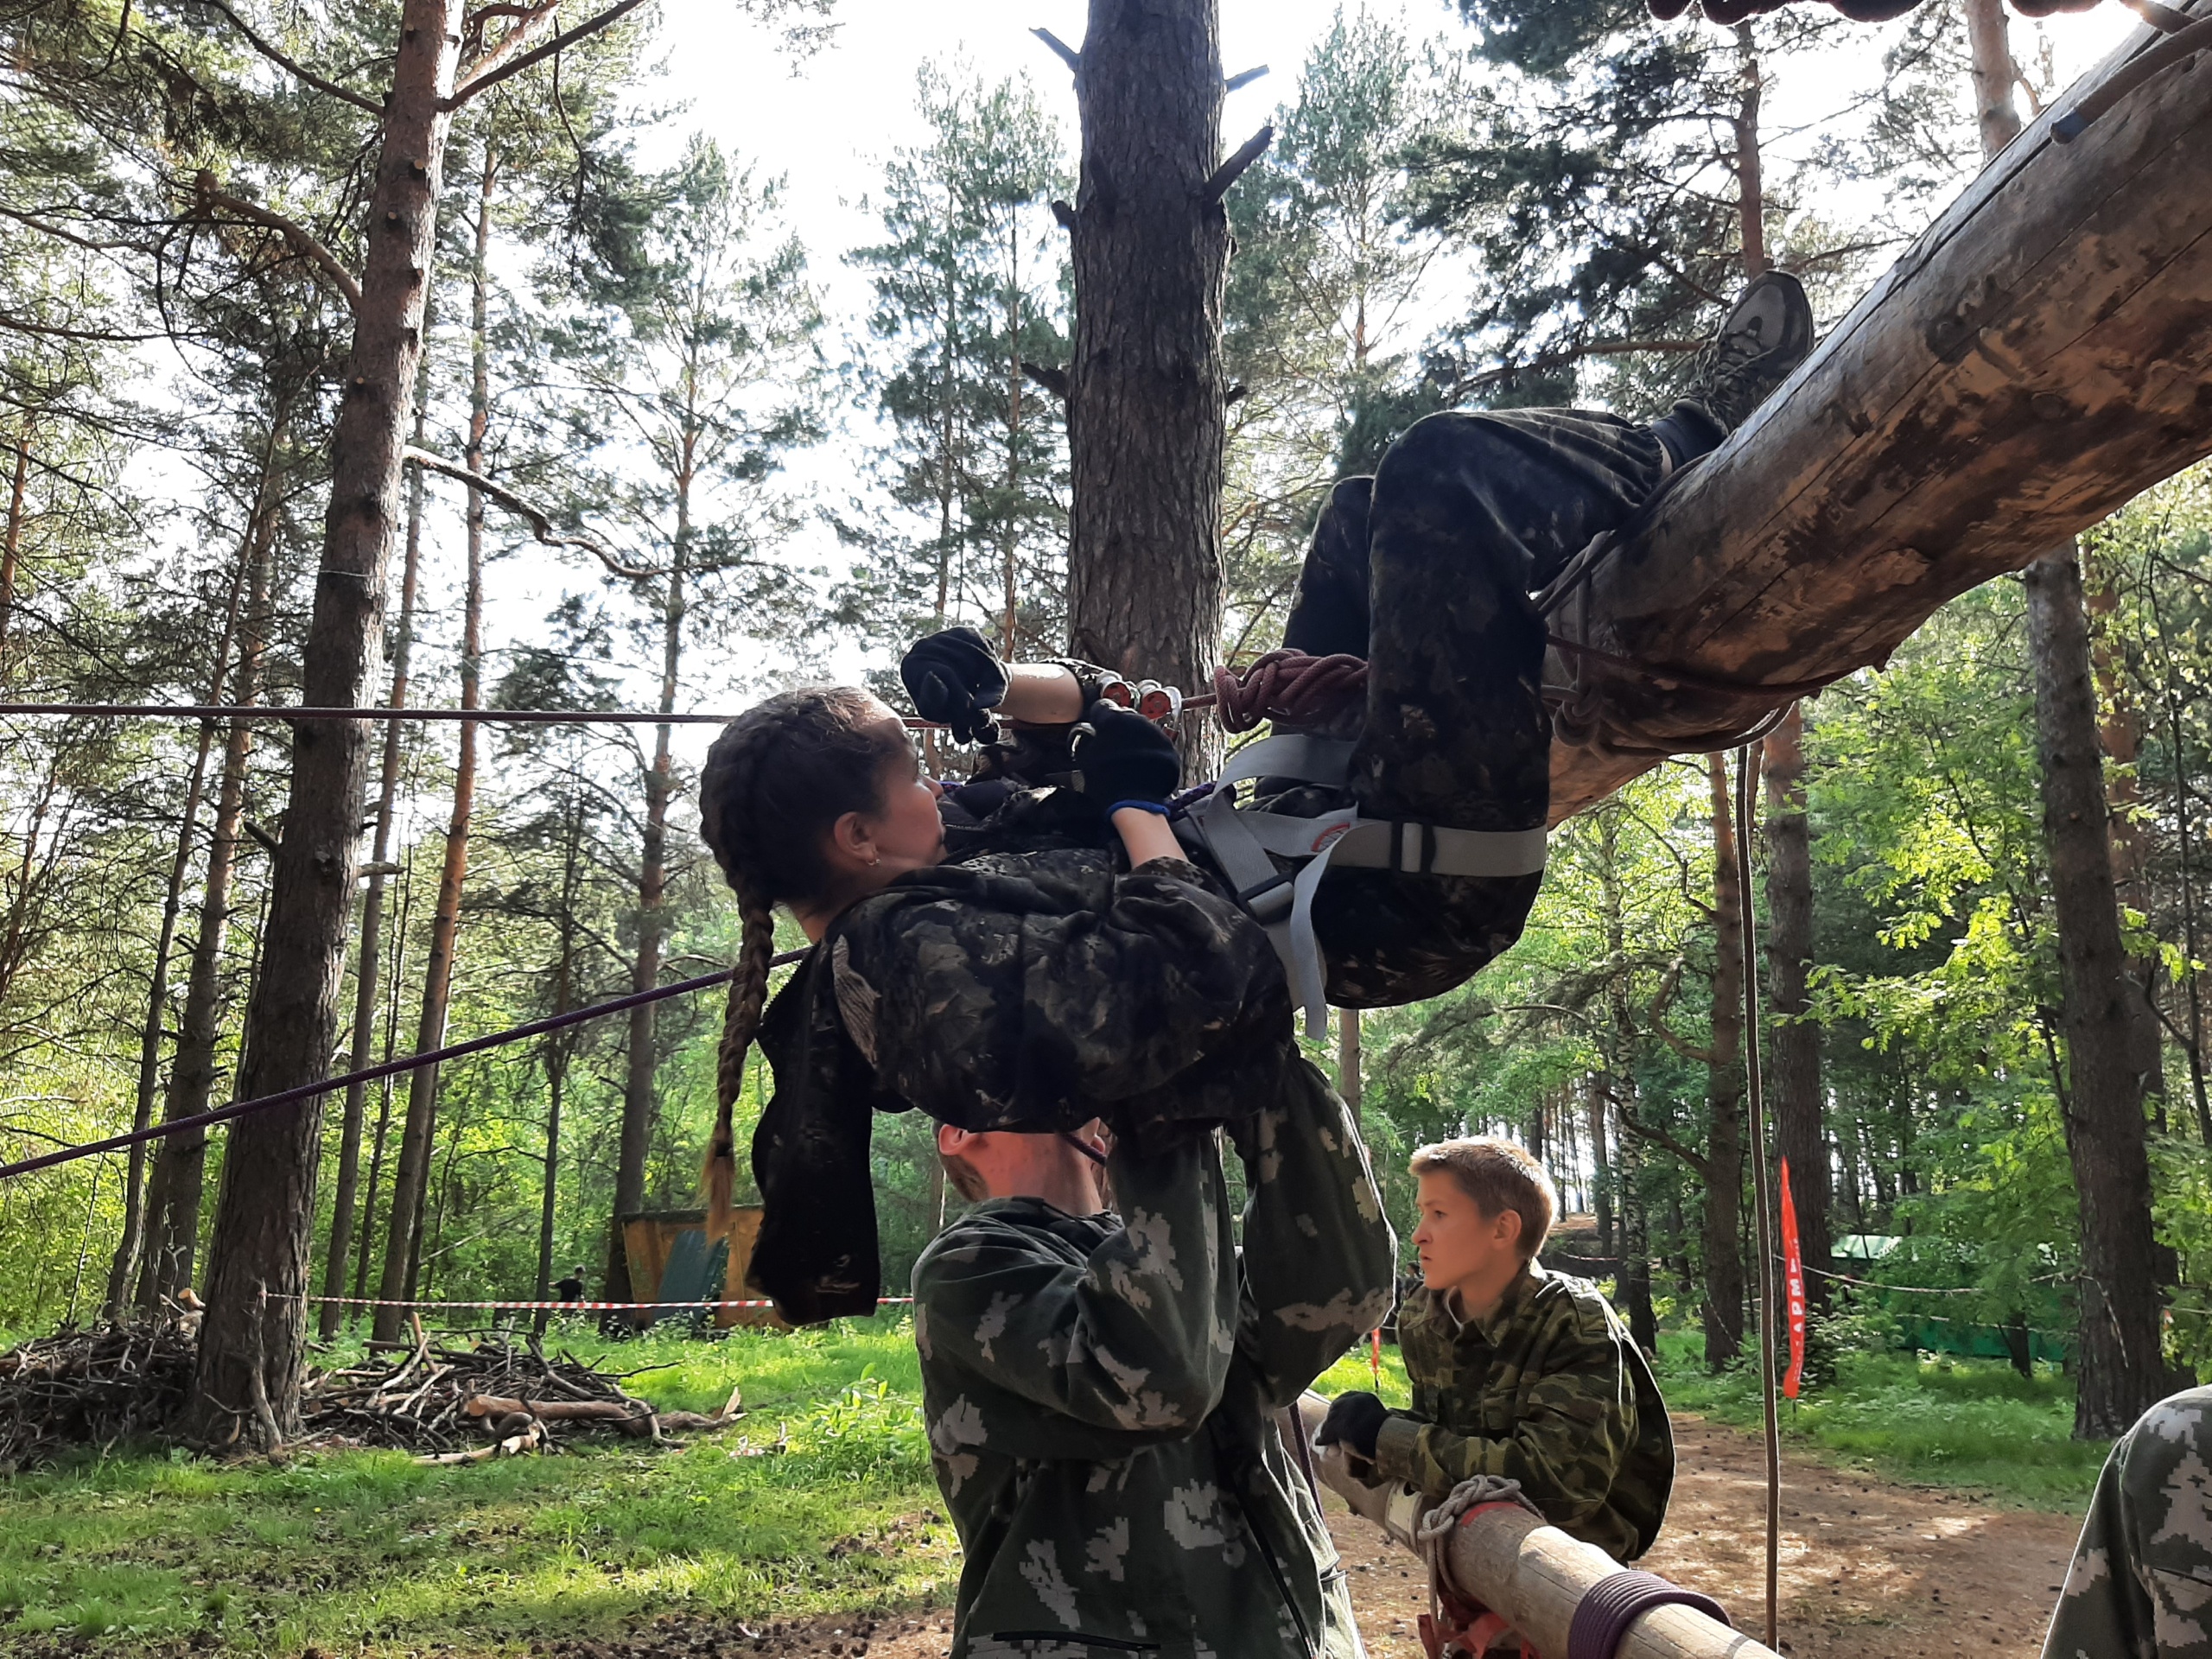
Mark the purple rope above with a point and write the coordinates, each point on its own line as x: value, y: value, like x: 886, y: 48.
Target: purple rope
x: 389, y: 1068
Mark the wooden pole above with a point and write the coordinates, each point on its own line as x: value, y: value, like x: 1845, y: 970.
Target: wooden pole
x: 2035, y: 359
x: 1532, y: 1575
x: 1762, y: 1198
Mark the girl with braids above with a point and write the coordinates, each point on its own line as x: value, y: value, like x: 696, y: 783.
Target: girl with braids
x: 1036, y: 991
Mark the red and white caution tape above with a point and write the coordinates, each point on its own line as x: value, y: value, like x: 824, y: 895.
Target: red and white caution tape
x: 572, y: 1307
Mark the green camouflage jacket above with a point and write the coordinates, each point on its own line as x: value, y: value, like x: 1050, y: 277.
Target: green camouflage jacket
x: 1034, y: 991
x: 1551, y: 1391
x: 2141, y: 1583
x: 1101, y: 1394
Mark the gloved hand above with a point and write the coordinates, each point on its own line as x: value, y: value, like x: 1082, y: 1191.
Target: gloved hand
x: 955, y: 680
x: 1354, y: 1420
x: 1121, y: 756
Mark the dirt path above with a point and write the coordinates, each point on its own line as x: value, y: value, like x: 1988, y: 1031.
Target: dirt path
x: 1870, y: 1570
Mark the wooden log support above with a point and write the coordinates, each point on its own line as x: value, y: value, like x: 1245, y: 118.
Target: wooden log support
x: 2041, y: 353
x: 1533, y: 1575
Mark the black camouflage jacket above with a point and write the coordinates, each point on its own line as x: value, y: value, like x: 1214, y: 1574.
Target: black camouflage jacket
x: 1100, y: 1392
x: 1036, y: 990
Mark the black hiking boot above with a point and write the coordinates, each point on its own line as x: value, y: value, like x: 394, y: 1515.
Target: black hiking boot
x: 1761, y: 342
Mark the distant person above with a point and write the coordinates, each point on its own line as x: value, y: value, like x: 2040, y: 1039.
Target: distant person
x: 570, y: 1289
x: 1516, y: 1371
x: 2140, y: 1586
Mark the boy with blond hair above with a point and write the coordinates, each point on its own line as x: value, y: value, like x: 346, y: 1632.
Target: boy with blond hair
x: 1516, y: 1371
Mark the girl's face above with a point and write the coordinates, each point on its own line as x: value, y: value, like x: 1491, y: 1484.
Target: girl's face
x: 906, y: 832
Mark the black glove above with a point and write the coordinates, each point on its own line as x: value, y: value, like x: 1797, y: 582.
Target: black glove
x: 955, y: 680
x: 1121, y: 756
x: 1354, y: 1419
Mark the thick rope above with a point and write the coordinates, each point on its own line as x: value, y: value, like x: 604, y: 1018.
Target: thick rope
x: 371, y: 1074
x: 1286, y: 685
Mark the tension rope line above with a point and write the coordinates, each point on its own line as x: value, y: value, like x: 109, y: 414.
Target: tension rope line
x: 477, y: 716
x: 388, y: 1069
x: 1746, y: 772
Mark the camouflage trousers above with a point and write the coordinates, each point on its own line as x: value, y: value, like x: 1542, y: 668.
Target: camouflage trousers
x: 1425, y: 570
x: 2140, y: 1586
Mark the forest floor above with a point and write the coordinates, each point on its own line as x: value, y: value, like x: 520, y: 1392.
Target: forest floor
x: 833, y: 1547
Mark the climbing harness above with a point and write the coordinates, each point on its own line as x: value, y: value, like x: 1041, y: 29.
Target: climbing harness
x: 1245, y: 843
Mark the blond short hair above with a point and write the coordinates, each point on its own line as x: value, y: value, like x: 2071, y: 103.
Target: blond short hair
x: 1498, y: 1176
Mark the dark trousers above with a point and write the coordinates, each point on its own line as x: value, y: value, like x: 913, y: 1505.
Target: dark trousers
x: 1425, y: 570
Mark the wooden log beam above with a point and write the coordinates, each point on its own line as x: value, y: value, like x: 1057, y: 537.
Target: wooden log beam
x: 1533, y: 1575
x: 2042, y: 354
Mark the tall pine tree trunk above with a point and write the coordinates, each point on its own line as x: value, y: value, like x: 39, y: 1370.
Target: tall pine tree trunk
x: 180, y: 1168
x: 1618, y: 1050
x: 252, y: 1345
x: 11, y: 540
x: 1724, y: 1189
x: 410, y: 1180
x: 640, y: 1095
x: 558, y: 1052
x: 124, y: 1266
x: 1145, y: 386
x: 2119, y: 727
x: 2122, y: 1371
x: 1794, y: 1080
x: 368, y: 966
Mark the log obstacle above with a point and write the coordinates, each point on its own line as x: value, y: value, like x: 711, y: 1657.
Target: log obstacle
x: 2038, y: 356
x: 1531, y: 1575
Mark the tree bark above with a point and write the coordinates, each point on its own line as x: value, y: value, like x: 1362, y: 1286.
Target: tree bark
x: 1616, y: 1046
x: 2122, y: 1371
x: 174, y: 1204
x: 1794, y: 1078
x: 368, y: 968
x: 1349, y: 1082
x: 1146, y: 387
x: 254, y: 1335
x: 124, y: 1266
x: 557, y: 1055
x: 11, y: 543
x: 640, y: 1092
x: 410, y: 1180
x: 1723, y: 1187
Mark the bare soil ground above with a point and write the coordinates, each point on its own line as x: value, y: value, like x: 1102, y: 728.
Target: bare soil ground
x: 1871, y: 1569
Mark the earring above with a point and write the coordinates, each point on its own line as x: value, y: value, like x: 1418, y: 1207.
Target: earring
x: 877, y: 860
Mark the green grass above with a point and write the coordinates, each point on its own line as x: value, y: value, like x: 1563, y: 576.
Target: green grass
x: 371, y: 1552
x: 1966, y: 1423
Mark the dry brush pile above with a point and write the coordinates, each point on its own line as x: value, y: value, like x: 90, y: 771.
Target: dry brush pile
x: 446, y: 1400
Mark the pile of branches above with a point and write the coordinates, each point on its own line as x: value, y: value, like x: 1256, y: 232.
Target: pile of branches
x: 91, y: 1387
x: 453, y: 1403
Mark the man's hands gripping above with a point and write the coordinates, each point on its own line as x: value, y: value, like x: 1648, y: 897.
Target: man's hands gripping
x: 956, y: 680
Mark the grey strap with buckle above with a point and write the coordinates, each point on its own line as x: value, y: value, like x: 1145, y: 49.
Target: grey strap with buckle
x: 1242, y: 841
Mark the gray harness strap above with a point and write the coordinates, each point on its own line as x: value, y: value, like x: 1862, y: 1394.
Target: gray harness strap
x: 1282, y: 902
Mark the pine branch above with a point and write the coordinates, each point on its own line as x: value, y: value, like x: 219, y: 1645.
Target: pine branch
x: 541, y: 523
x: 1232, y: 169
x: 291, y: 66
x: 1658, y: 1137
x: 295, y: 234
x: 481, y: 78
x: 1066, y: 54
x: 1053, y: 381
x: 530, y: 19
x: 1243, y: 78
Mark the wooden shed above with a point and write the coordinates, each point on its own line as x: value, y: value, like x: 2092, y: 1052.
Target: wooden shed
x: 672, y: 1260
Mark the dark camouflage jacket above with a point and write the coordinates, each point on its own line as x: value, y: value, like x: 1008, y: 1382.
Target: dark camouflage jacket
x: 1100, y: 1393
x: 1551, y: 1391
x: 2140, y: 1586
x: 1037, y: 991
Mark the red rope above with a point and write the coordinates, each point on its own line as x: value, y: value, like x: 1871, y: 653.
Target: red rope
x: 371, y: 1074
x: 1286, y: 685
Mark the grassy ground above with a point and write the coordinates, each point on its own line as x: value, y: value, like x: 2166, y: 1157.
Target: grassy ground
x: 372, y: 1552
x: 1968, y: 1423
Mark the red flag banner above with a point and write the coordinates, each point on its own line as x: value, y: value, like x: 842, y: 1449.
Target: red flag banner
x: 1792, y: 1277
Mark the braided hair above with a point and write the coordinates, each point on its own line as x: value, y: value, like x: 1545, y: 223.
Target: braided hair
x: 777, y: 778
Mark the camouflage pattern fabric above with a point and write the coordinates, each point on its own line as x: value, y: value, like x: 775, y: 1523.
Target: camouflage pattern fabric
x: 2140, y: 1586
x: 1034, y: 992
x: 1100, y: 1392
x: 1550, y: 1391
x: 1426, y: 570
